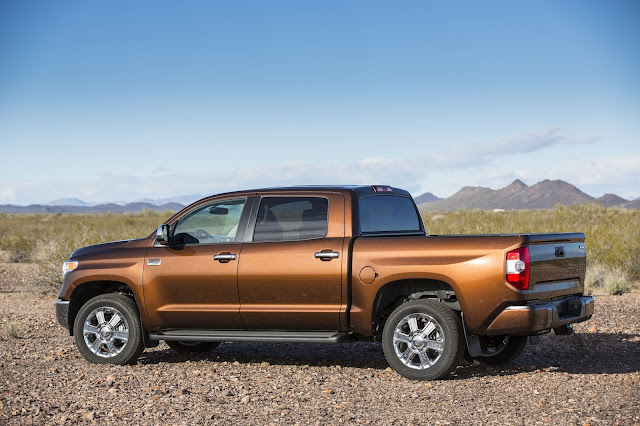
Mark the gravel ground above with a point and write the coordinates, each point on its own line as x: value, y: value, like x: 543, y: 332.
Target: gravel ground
x: 592, y: 377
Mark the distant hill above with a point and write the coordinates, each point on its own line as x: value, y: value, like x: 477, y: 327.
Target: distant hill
x: 542, y: 195
x: 427, y: 197
x: 635, y: 204
x: 610, y: 200
x: 101, y: 208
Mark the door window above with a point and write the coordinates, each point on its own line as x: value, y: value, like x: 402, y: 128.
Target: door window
x: 291, y: 218
x: 211, y: 224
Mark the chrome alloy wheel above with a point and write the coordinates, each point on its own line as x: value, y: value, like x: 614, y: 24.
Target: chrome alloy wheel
x: 106, y: 332
x: 418, y: 341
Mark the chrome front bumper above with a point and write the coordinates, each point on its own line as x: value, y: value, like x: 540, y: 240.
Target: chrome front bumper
x: 62, y: 313
x: 541, y: 316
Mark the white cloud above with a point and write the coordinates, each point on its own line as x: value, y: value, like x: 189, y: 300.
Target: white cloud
x: 442, y: 174
x: 7, y: 195
x: 488, y: 153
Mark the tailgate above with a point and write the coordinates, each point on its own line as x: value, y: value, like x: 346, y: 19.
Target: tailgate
x: 557, y: 263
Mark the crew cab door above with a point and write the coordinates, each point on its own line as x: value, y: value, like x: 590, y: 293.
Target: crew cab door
x: 290, y: 276
x: 192, y: 283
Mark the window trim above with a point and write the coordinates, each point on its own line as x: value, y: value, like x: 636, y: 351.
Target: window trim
x: 242, y: 223
x: 254, y: 217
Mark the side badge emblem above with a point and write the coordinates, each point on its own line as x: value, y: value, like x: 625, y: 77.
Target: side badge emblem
x: 154, y: 262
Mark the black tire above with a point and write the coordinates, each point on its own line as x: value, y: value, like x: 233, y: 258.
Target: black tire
x: 507, y: 348
x: 433, y: 349
x: 190, y: 347
x: 103, y: 342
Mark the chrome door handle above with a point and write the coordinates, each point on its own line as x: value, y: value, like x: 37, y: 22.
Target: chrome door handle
x: 326, y: 255
x: 223, y: 257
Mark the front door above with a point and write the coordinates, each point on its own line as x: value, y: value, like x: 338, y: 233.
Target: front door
x: 192, y: 283
x: 290, y: 274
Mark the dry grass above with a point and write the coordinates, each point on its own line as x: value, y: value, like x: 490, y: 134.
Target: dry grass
x: 612, y: 236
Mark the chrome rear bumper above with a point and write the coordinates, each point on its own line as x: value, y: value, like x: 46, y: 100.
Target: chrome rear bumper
x: 536, y: 317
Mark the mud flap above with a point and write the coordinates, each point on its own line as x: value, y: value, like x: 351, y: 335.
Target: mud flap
x: 473, y: 341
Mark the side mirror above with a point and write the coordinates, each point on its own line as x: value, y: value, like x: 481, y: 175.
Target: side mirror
x: 162, y: 235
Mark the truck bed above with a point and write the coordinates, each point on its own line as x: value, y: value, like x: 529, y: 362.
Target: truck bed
x: 472, y: 266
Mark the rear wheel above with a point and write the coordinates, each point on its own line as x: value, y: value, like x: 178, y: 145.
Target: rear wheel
x: 423, y: 340
x: 107, y: 330
x: 189, y: 347
x: 502, y: 349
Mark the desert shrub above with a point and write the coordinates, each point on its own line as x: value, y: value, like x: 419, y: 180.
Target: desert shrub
x: 20, y: 247
x: 594, y: 279
x: 606, y: 279
x: 616, y: 283
x: 15, y: 330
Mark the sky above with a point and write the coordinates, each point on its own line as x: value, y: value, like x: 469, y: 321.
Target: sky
x: 119, y: 101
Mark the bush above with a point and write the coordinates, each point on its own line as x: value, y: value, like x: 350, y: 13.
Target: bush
x: 611, y: 281
x: 20, y: 248
x: 594, y: 279
x: 616, y: 284
x: 15, y: 330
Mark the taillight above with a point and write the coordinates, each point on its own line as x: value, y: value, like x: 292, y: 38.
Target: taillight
x: 518, y: 268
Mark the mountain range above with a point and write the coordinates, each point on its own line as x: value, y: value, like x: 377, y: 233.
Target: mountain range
x: 517, y: 196
x: 100, y: 208
x: 542, y: 195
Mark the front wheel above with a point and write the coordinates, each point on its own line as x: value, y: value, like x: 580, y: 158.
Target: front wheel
x: 189, y: 347
x: 107, y: 330
x: 423, y: 340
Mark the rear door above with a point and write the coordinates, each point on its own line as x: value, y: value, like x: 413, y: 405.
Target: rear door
x: 290, y: 275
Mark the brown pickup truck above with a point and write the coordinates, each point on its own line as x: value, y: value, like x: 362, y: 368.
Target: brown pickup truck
x: 323, y: 264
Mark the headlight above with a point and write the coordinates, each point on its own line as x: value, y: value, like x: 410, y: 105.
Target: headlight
x: 69, y: 266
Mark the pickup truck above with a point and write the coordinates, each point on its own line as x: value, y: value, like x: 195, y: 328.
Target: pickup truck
x: 323, y: 265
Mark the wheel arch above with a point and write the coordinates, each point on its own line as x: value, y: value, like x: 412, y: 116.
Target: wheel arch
x: 88, y: 290
x: 394, y: 293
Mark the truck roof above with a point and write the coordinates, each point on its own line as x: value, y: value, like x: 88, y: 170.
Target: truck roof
x: 359, y: 190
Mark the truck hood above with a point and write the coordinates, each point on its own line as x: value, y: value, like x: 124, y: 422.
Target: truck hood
x: 102, y: 248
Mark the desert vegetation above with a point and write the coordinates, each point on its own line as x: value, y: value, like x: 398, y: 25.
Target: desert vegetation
x: 613, y: 236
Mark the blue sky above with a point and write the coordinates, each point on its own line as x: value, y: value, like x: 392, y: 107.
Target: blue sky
x: 109, y: 101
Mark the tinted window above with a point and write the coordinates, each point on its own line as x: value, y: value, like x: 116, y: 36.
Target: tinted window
x: 213, y: 223
x: 291, y: 218
x: 387, y: 213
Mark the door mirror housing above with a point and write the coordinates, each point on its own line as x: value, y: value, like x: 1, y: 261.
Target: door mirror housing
x: 162, y: 235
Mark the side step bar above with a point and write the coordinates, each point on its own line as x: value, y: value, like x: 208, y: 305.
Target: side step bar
x: 252, y: 336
